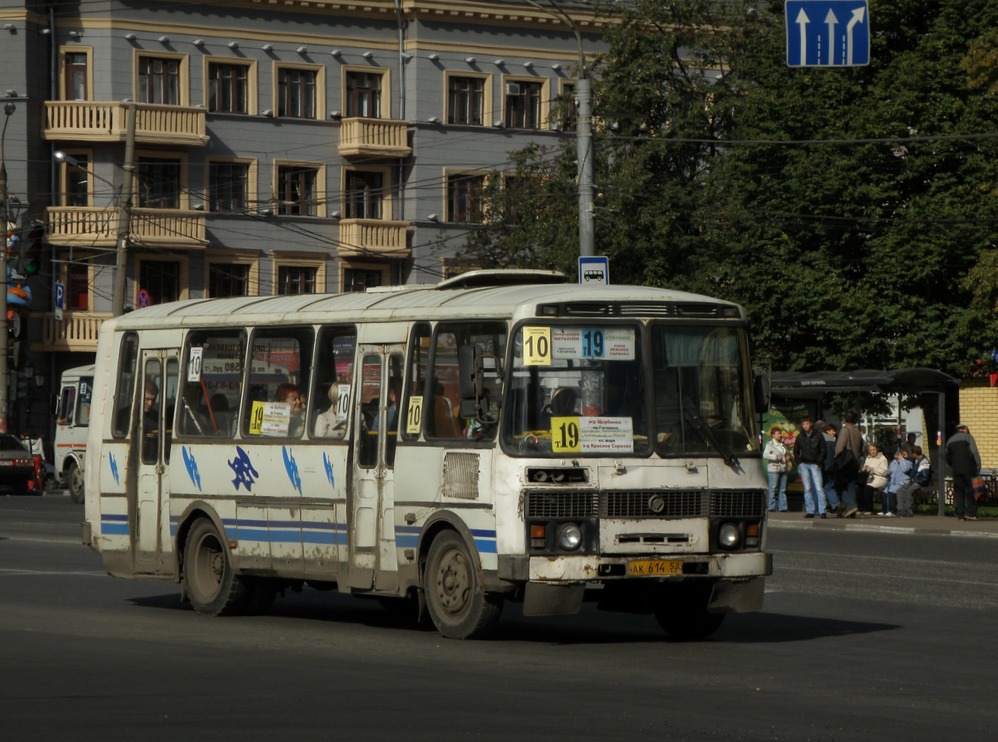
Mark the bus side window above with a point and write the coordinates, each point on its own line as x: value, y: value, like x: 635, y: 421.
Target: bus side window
x: 67, y: 404
x: 413, y: 404
x: 125, y: 385
x: 330, y: 393
x: 212, y: 376
x: 278, y: 378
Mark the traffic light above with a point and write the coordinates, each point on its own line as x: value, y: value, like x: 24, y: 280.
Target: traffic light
x: 31, y: 260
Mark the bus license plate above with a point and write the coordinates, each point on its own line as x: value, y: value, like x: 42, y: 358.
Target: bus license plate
x: 651, y: 567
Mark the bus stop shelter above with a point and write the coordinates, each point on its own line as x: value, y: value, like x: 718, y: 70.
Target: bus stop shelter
x: 904, y: 382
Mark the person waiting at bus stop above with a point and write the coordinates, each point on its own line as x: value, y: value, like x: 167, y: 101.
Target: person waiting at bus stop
x: 809, y: 452
x: 848, y: 454
x: 962, y: 455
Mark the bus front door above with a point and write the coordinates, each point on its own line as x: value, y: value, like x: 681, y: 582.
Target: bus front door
x: 373, y: 563
x: 152, y: 435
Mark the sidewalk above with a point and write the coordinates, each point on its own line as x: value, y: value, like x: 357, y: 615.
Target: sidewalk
x: 922, y: 524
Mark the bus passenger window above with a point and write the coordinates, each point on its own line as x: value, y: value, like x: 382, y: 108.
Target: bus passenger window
x: 125, y: 385
x: 279, y: 373
x: 212, y: 377
x: 334, y: 360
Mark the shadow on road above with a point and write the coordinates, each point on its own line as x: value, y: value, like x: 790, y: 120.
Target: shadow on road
x: 589, y: 627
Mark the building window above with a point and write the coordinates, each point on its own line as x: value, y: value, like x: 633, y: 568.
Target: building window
x: 296, y: 93
x: 465, y: 202
x: 228, y: 186
x: 78, y: 286
x: 228, y: 88
x: 364, y: 94
x: 228, y: 279
x: 567, y: 113
x: 75, y: 76
x: 161, y: 278
x: 295, y: 279
x: 159, y: 80
x: 523, y: 105
x: 296, y: 190
x: 78, y: 181
x: 360, y: 279
x: 465, y: 100
x: 364, y: 193
x: 158, y: 183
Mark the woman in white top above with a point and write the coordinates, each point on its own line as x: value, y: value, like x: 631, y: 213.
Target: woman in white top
x: 877, y: 470
x: 776, y: 457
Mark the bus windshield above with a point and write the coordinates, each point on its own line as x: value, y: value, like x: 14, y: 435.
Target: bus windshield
x: 585, y: 389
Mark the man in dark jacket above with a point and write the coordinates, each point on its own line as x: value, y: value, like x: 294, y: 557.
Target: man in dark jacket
x: 965, y: 460
x: 809, y: 451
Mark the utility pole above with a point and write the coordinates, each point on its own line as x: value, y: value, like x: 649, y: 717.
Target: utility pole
x: 583, y: 134
x: 8, y: 110
x: 124, y: 214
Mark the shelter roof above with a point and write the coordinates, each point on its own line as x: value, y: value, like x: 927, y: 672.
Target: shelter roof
x: 905, y: 381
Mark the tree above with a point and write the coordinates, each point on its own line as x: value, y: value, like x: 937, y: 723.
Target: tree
x: 852, y: 211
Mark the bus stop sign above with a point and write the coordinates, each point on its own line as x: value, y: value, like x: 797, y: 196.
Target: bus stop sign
x: 594, y: 270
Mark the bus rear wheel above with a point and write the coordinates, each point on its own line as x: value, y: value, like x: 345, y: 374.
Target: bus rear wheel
x: 455, y: 600
x: 209, y: 582
x: 74, y: 481
x: 682, y: 611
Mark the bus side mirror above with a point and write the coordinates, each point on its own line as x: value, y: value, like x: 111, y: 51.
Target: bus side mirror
x: 761, y: 389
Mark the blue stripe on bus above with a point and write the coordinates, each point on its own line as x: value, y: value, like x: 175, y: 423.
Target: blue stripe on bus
x: 114, y: 529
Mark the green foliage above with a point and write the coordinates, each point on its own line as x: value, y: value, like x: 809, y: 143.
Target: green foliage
x: 852, y: 211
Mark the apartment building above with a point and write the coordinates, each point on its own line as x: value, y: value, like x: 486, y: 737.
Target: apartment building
x: 276, y: 148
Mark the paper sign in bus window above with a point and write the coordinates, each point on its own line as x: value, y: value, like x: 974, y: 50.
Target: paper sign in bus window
x: 592, y: 435
x: 270, y: 418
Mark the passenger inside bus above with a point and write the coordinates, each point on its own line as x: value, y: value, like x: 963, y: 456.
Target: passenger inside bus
x: 330, y: 424
x: 442, y: 423
x: 391, y: 414
x: 150, y: 422
x: 292, y: 395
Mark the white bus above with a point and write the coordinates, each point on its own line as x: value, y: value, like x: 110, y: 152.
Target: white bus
x: 461, y: 446
x: 72, y: 426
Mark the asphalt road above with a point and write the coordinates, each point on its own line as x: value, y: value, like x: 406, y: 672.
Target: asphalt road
x: 864, y: 636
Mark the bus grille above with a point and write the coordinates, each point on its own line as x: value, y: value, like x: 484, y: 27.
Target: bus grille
x: 647, y: 504
x: 562, y: 504
x: 737, y: 503
x: 656, y: 504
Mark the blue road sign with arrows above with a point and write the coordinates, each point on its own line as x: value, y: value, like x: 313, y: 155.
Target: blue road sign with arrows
x: 828, y: 33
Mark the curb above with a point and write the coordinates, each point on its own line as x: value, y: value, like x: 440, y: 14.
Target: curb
x: 839, y: 525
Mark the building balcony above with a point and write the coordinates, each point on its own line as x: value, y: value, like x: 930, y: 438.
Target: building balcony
x: 373, y: 238
x: 97, y: 227
x: 88, y: 121
x: 363, y: 137
x: 77, y: 332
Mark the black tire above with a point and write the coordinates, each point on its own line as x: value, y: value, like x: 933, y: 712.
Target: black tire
x: 209, y: 582
x: 682, y: 611
x: 74, y: 482
x: 457, y: 604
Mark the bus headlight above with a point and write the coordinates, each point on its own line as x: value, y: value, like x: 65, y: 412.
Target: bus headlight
x: 729, y: 536
x: 569, y: 536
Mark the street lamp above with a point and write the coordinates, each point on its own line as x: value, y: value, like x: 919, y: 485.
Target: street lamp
x: 8, y: 110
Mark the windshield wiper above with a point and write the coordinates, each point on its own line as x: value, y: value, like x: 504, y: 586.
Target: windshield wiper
x: 708, y: 432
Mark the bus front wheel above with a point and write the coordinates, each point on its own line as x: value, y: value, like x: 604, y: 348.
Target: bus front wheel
x: 455, y: 600
x: 74, y: 481
x: 209, y: 582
